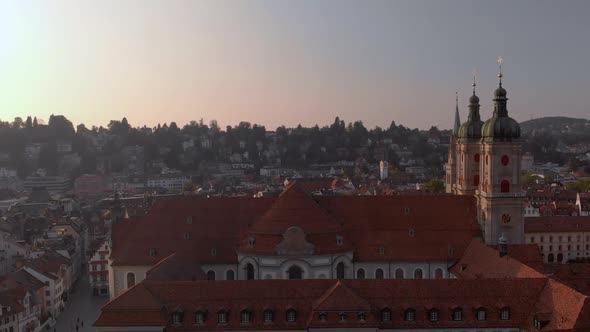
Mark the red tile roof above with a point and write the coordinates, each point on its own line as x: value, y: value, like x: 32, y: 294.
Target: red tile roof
x: 312, y: 296
x: 556, y: 224
x: 574, y: 275
x: 400, y: 225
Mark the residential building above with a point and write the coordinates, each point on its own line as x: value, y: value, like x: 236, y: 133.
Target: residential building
x: 561, y: 238
x: 57, y: 184
x: 98, y: 272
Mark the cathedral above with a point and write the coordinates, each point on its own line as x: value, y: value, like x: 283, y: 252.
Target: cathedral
x: 484, y: 161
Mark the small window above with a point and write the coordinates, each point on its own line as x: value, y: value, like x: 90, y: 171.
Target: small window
x: 505, y: 186
x: 343, y: 317
x: 433, y: 315
x: 505, y: 313
x: 199, y: 317
x: 407, y: 211
x: 230, y: 275
x: 379, y: 274
x: 457, y: 314
x: 246, y: 317
x: 438, y: 273
x: 412, y: 232
x: 213, y: 252
x: 362, y: 317
x: 399, y: 273
x: 381, y: 250
x: 189, y: 220
x: 152, y: 252
x: 222, y: 317
x: 187, y: 235
x: 251, y: 242
x: 323, y: 316
x: 339, y: 240
x: 249, y: 272
x: 177, y: 318
x: 482, y: 314
x: 410, y: 315
x: 269, y: 316
x: 210, y: 275
x: 291, y: 315
x: 476, y: 157
x: 340, y: 270
x: 532, y: 239
x: 418, y: 274
x: 386, y: 315
x: 360, y: 274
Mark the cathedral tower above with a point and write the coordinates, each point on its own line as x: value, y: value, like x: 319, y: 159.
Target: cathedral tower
x: 500, y: 197
x: 469, y: 149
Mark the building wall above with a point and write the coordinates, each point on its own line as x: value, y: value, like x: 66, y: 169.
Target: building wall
x: 570, y: 245
x: 118, y: 276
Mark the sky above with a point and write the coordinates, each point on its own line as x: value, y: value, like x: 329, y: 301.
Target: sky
x: 280, y: 62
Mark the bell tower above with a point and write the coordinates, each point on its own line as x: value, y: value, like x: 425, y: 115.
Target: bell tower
x: 500, y: 197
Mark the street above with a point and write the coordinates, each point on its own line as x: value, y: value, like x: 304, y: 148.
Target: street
x: 82, y: 305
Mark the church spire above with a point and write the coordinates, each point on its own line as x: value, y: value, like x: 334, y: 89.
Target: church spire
x: 457, y: 119
x: 500, y: 99
x: 474, y: 103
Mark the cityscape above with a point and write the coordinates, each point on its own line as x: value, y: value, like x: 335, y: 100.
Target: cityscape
x: 315, y: 215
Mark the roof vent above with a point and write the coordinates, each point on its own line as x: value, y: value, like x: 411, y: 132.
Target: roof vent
x: 412, y: 232
x: 153, y: 252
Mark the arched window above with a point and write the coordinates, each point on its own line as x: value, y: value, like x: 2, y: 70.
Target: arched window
x: 360, y: 274
x: 222, y: 317
x: 291, y: 315
x: 130, y: 279
x: 476, y: 180
x: 230, y: 275
x: 249, y: 271
x: 379, y: 274
x: 457, y: 314
x: 343, y: 317
x: 418, y: 274
x: 399, y: 274
x: 505, y: 186
x: 438, y: 274
x: 386, y: 315
x: 323, y: 315
x: 550, y: 258
x: 269, y: 316
x: 177, y: 318
x: 560, y: 257
x: 362, y: 317
x: 199, y: 317
x: 482, y: 314
x: 340, y: 270
x: 210, y: 275
x: 246, y: 317
x: 295, y: 272
x: 410, y: 315
x: 505, y: 313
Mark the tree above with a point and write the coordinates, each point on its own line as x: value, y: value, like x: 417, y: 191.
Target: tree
x: 18, y: 122
x: 29, y: 122
x: 435, y: 186
x: 35, y: 123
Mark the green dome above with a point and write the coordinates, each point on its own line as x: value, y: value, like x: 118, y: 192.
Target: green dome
x: 501, y: 128
x: 470, y: 129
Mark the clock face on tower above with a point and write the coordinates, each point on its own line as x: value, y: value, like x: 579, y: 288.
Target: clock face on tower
x: 506, y: 218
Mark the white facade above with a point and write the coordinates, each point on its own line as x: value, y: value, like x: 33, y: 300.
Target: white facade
x: 559, y: 247
x: 53, y: 291
x: 10, y: 250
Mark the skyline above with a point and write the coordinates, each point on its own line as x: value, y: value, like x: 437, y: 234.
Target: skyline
x: 289, y: 62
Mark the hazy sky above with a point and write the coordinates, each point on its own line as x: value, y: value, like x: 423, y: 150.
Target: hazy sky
x: 290, y: 62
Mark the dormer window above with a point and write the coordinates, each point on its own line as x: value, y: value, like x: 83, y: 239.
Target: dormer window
x: 246, y: 317
x: 291, y: 315
x: 386, y: 315
x: 199, y: 317
x: 505, y: 313
x: 189, y: 220
x: 213, y: 252
x: 339, y: 240
x: 381, y: 250
x: 410, y: 315
x: 268, y: 316
x: 407, y: 211
x: 482, y: 314
x: 362, y: 317
x: 323, y: 316
x: 433, y: 315
x: 222, y: 317
x: 152, y: 252
x: 457, y: 314
x: 343, y: 317
x: 251, y: 242
x: 177, y: 318
x: 412, y: 232
x: 186, y: 235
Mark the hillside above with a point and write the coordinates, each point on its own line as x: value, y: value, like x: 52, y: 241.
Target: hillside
x: 556, y: 123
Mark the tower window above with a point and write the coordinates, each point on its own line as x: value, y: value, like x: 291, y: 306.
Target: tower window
x: 505, y: 186
x: 476, y: 157
x: 476, y: 180
x: 505, y: 160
